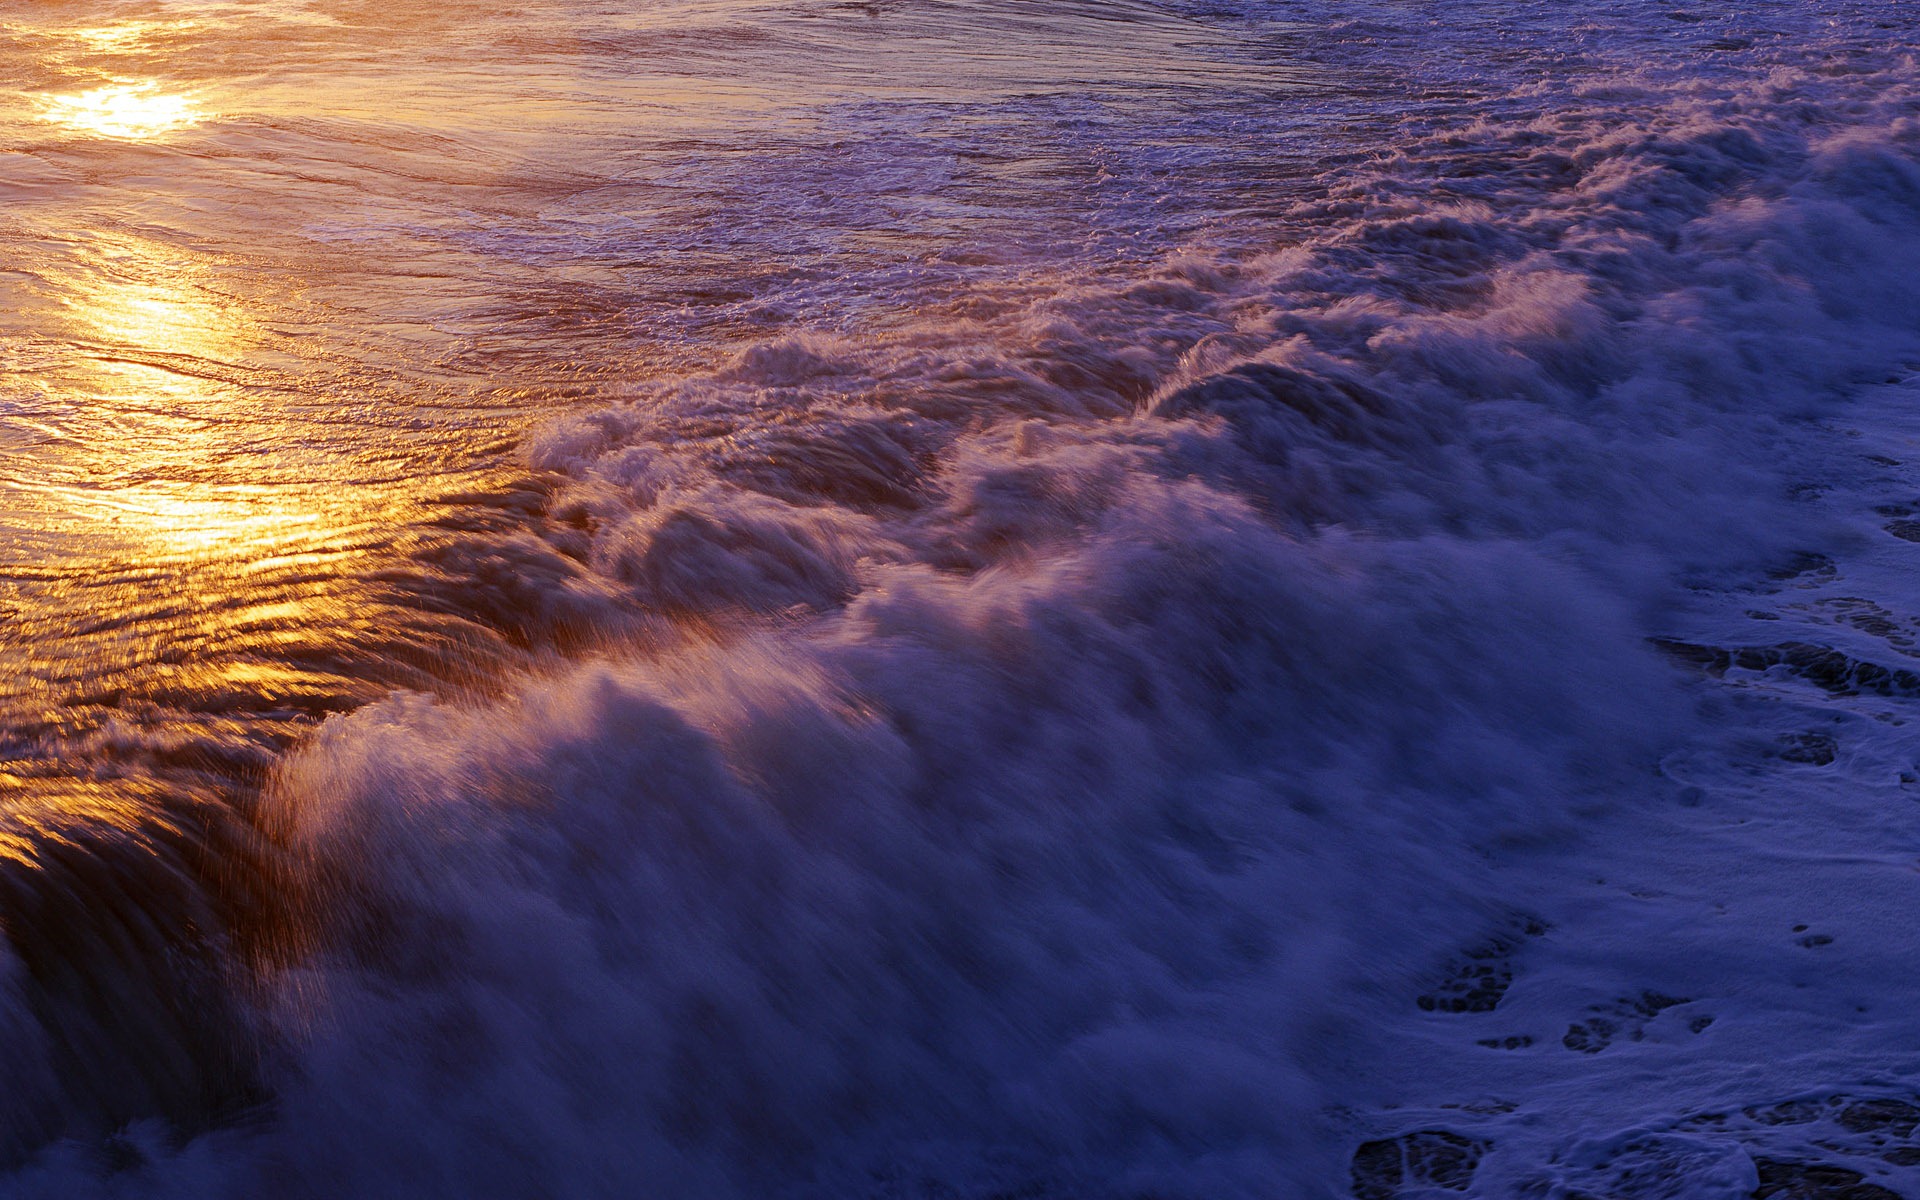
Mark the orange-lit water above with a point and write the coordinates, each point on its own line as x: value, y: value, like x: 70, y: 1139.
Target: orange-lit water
x: 282, y: 285
x: 280, y: 277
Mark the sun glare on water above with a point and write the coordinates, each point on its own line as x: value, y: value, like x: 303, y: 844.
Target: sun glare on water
x: 133, y: 111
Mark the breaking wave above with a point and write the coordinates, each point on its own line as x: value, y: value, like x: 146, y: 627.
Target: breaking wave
x: 999, y: 755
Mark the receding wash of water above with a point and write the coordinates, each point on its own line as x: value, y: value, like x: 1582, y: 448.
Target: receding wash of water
x: 959, y: 600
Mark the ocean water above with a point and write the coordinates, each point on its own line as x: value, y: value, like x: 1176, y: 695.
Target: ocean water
x: 959, y: 599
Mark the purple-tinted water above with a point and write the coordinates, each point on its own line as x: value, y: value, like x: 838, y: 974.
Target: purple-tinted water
x: 958, y: 599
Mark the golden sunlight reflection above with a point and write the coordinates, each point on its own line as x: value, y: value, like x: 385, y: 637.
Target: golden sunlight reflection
x: 191, y: 521
x: 165, y: 374
x: 155, y: 314
x: 132, y: 37
x: 132, y: 111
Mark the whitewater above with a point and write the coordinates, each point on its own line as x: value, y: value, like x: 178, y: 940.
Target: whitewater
x: 960, y: 599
